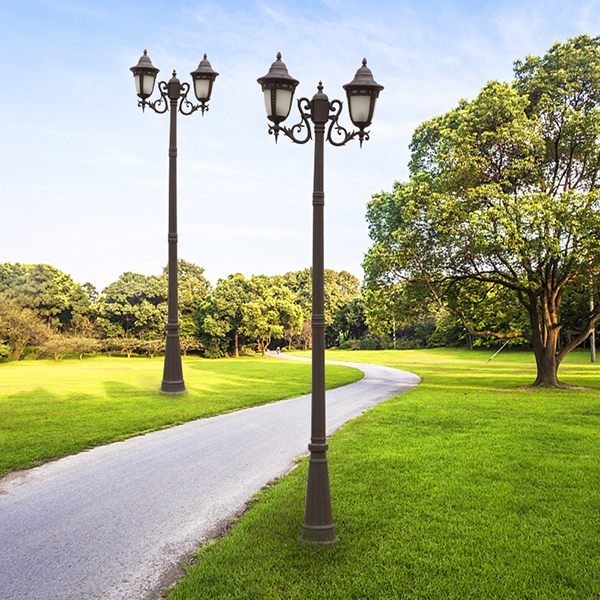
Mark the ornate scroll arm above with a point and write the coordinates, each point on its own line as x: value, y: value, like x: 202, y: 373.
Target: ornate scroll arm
x: 335, y: 129
x: 185, y: 106
x: 304, y: 108
x: 161, y: 105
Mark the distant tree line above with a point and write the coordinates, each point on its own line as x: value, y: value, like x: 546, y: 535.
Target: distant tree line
x: 44, y: 313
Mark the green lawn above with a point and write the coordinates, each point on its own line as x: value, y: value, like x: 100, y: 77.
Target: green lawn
x: 464, y: 488
x: 50, y: 409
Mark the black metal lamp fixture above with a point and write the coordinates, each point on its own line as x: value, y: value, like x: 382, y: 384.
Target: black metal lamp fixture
x: 144, y: 74
x: 204, y: 78
x: 362, y: 93
x: 278, y: 87
x: 173, y: 97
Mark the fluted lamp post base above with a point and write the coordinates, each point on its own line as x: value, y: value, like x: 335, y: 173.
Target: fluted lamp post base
x: 318, y: 528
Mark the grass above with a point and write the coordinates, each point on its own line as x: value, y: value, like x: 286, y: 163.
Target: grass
x: 49, y: 410
x: 464, y: 488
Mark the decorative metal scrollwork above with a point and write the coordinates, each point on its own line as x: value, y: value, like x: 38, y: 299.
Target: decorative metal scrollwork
x: 304, y: 108
x: 189, y: 107
x: 161, y: 105
x: 335, y: 106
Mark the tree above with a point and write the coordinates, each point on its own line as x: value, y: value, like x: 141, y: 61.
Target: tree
x: 52, y: 295
x: 340, y: 289
x: 20, y: 327
x: 135, y: 305
x: 270, y: 310
x: 502, y: 208
x: 83, y: 345
x: 193, y: 288
x: 350, y: 321
x: 222, y: 314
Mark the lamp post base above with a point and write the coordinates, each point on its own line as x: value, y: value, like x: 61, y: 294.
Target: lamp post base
x: 173, y: 387
x: 324, y: 537
x: 318, y: 528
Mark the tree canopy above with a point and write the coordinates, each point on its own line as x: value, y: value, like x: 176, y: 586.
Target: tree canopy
x: 499, y: 222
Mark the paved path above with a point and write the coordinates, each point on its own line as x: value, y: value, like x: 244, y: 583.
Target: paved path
x: 113, y: 523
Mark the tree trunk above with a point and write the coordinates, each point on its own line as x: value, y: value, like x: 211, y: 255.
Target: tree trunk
x: 547, y: 367
x: 235, y: 337
x: 545, y: 341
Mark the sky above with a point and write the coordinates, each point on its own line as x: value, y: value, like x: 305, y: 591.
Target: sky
x: 84, y: 172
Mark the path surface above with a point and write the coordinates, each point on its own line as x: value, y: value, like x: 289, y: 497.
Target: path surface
x: 113, y: 523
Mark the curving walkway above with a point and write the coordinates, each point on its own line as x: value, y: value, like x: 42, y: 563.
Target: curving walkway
x: 113, y: 523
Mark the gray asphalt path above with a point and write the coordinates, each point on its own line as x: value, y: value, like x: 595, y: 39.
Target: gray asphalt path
x: 113, y: 523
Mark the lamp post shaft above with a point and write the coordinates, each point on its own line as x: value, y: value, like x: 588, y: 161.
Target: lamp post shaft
x: 318, y: 527
x: 172, y: 382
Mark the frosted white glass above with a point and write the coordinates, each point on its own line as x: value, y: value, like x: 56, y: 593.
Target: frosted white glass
x: 268, y: 102
x: 201, y: 88
x: 148, y: 83
x: 359, y: 108
x: 283, y: 103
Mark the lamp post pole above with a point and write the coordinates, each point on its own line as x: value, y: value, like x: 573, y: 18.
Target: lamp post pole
x: 173, y: 98
x: 172, y: 382
x: 318, y: 518
x: 318, y: 527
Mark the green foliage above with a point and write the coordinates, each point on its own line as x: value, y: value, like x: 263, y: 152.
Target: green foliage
x: 341, y: 288
x: 193, y: 289
x: 220, y: 318
x: 349, y: 322
x: 136, y: 305
x: 271, y: 308
x: 500, y: 221
x: 48, y: 293
x: 20, y: 327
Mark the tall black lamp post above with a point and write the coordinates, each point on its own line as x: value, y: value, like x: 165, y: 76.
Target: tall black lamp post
x: 362, y: 93
x: 173, y: 97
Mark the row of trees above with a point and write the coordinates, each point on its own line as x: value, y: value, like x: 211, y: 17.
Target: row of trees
x: 43, y: 308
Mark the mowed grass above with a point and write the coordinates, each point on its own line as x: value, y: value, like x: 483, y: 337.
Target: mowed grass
x: 49, y: 410
x: 464, y: 488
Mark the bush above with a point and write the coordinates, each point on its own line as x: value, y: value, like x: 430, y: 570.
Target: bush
x: 4, y: 351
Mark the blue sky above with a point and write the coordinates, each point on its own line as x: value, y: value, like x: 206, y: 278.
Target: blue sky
x: 84, y: 173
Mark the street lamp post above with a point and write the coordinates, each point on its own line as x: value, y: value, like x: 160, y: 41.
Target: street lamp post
x: 362, y: 94
x: 173, y: 97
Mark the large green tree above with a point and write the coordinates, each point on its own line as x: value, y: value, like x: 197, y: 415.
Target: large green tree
x: 20, y: 327
x: 50, y: 294
x: 502, y: 208
x: 136, y: 305
x: 193, y: 288
x: 270, y: 309
x: 222, y: 315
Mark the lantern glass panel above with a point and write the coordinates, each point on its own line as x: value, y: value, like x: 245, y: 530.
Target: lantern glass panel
x: 202, y: 88
x: 283, y: 103
x: 268, y: 103
x: 360, y: 106
x: 148, y: 84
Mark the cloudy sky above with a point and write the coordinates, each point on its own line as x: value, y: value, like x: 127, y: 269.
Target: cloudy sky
x: 84, y: 173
